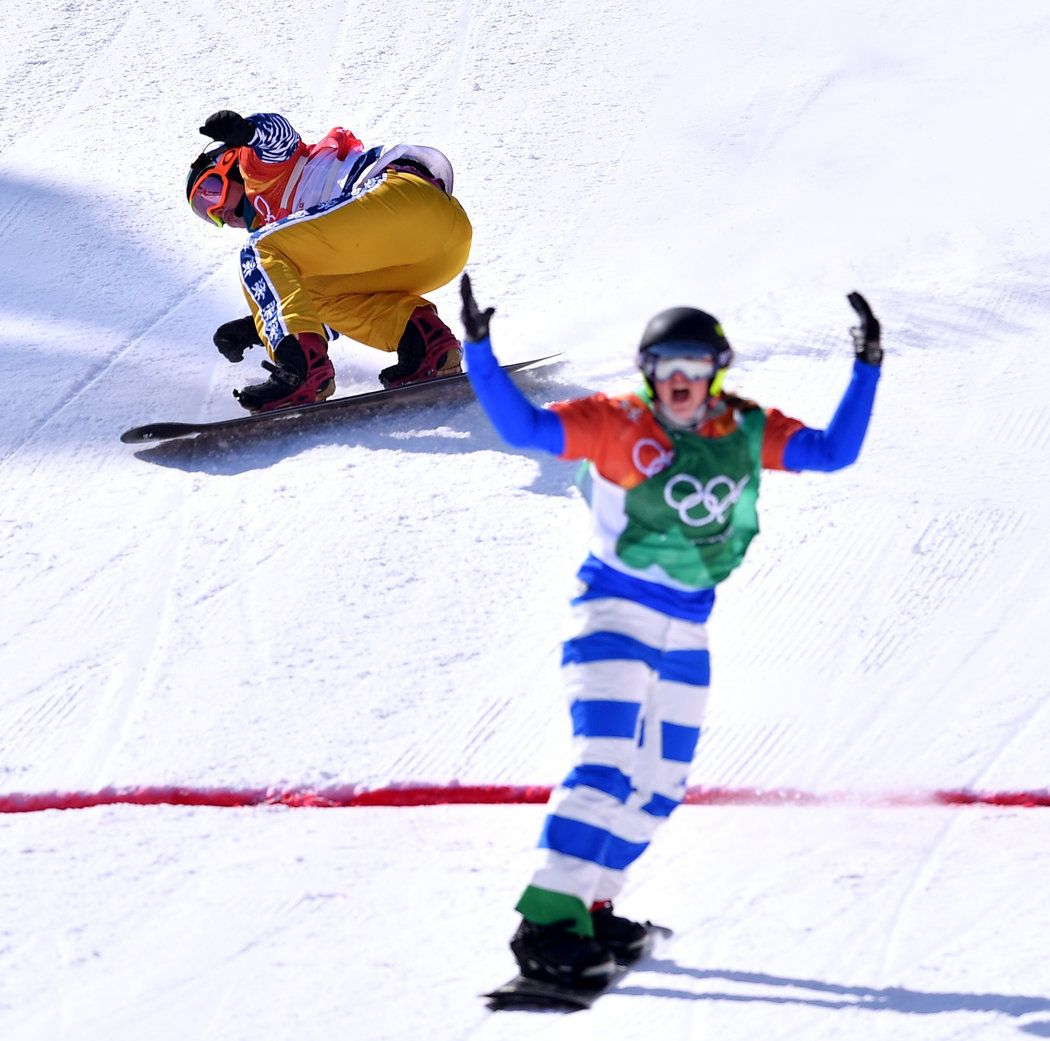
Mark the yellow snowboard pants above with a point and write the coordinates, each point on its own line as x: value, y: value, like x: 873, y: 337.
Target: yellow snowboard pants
x: 358, y: 265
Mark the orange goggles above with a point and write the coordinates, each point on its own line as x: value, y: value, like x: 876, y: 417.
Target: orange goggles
x: 208, y: 196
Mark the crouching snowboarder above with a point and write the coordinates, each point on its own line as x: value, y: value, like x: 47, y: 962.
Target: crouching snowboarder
x: 341, y: 239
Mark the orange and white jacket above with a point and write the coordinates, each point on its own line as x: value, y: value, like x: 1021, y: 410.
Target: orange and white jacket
x: 284, y: 175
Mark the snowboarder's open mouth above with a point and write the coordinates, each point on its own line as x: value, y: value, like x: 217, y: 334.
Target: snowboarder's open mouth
x: 681, y: 394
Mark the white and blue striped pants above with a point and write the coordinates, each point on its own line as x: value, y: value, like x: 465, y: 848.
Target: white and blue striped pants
x: 637, y: 682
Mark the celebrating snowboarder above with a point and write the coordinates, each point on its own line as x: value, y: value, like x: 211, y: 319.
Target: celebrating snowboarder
x: 672, y: 482
x: 342, y: 239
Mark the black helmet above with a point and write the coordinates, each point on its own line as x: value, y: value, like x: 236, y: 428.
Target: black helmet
x: 208, y: 181
x: 685, y: 332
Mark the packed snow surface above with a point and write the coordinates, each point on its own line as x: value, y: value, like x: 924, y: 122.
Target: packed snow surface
x: 379, y: 598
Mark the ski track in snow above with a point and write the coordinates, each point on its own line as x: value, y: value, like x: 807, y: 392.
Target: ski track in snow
x: 922, y: 875
x: 157, y: 617
x: 86, y: 382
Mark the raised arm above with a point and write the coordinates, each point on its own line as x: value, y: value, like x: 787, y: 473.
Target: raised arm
x: 520, y: 423
x: 268, y: 134
x: 839, y: 444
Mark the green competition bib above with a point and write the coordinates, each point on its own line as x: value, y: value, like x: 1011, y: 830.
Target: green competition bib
x: 696, y: 519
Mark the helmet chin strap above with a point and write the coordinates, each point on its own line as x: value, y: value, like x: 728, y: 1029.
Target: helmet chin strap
x: 247, y: 212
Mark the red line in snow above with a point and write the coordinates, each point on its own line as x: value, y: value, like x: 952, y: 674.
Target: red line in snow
x: 488, y: 794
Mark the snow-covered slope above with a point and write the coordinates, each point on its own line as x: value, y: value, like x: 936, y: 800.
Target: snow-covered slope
x: 380, y: 599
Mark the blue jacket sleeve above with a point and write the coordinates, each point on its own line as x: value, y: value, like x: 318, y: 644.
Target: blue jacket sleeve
x: 839, y: 445
x: 520, y: 423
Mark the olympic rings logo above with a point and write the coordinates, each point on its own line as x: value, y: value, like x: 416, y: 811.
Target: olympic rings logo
x: 703, y: 496
x: 650, y: 457
x: 262, y: 207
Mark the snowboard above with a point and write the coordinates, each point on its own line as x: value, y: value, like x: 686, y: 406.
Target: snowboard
x: 164, y: 431
x: 522, y: 993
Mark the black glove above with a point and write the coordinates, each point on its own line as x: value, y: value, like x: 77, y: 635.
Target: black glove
x: 236, y: 337
x: 866, y: 336
x: 229, y: 128
x: 475, y: 321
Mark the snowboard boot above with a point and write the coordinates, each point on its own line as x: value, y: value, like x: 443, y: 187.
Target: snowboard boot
x: 625, y: 940
x: 555, y: 954
x: 427, y: 351
x: 303, y: 373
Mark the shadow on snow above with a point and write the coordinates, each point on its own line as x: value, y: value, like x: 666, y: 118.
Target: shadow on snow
x: 452, y: 425
x: 819, y: 994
